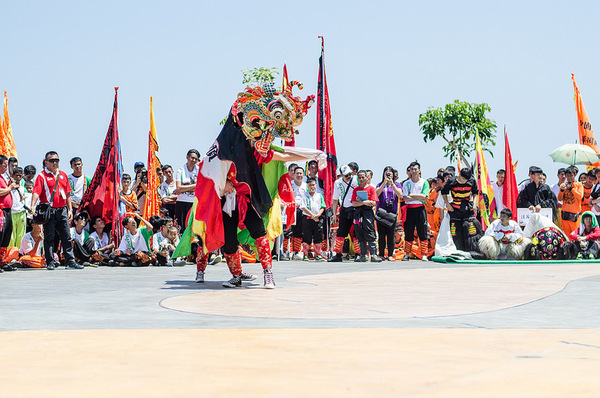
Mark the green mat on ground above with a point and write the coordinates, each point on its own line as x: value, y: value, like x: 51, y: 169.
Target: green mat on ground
x: 448, y: 260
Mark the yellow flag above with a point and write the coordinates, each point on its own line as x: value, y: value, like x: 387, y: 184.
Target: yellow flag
x: 8, y: 143
x: 486, y: 202
x: 152, y: 205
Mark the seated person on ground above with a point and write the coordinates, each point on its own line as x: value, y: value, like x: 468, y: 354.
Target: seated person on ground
x: 503, y: 237
x: 133, y: 249
x: 102, y: 247
x: 586, y: 236
x: 32, y: 248
x: 82, y: 248
x: 161, y: 241
x: 170, y: 244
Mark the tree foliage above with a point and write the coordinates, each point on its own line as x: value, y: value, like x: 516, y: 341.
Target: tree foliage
x: 457, y: 124
x: 259, y: 76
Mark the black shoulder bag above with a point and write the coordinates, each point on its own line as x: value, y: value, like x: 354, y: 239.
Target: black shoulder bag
x: 43, y: 210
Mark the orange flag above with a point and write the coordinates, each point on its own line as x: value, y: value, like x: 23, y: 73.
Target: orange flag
x: 586, y: 134
x: 152, y: 204
x: 8, y: 143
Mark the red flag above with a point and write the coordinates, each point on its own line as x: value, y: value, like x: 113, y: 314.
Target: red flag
x: 325, y: 140
x: 285, y: 85
x: 511, y: 190
x: 101, y: 198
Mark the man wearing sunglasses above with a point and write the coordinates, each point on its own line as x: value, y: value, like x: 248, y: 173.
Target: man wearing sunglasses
x: 52, y: 186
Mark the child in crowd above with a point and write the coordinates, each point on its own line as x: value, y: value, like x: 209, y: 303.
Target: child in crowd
x: 364, y: 218
x: 312, y: 206
x: 170, y: 244
x: 82, y: 247
x: 128, y: 196
x: 18, y: 212
x: 158, y: 249
x: 28, y: 194
x: 28, y: 174
x: 102, y: 247
x: 133, y: 249
x: 32, y: 248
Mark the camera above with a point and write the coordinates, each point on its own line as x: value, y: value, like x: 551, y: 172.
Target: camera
x: 144, y: 176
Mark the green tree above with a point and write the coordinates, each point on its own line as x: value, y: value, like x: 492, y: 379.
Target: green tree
x: 257, y: 76
x: 457, y: 124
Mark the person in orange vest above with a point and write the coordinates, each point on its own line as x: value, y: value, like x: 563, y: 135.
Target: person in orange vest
x: 588, y: 186
x: 571, y: 194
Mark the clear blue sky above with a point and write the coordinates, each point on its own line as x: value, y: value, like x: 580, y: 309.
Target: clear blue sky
x: 386, y: 62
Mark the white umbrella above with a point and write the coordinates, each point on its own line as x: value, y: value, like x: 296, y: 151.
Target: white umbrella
x: 573, y: 154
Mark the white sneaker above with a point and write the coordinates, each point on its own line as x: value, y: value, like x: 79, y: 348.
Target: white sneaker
x: 425, y: 258
x: 200, y: 277
x: 298, y: 257
x: 269, y: 282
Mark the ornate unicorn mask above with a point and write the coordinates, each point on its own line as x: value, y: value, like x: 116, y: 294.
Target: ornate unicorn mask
x: 265, y: 114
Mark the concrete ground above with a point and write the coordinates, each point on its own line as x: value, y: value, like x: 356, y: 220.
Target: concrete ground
x: 401, y: 329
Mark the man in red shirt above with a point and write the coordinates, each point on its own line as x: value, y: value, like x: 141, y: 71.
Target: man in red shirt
x: 52, y: 186
x: 6, y: 186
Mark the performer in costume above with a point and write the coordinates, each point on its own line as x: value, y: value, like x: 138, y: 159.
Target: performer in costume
x: 503, y: 236
x: 231, y: 192
x: 462, y: 219
x: 547, y: 239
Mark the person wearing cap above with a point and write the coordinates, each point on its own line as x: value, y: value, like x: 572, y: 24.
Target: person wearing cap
x: 138, y: 166
x: 61, y: 212
x: 537, y: 195
x: 342, y: 192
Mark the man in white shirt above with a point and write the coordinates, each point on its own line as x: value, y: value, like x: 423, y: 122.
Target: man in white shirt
x: 185, y: 180
x: 562, y: 177
x: 78, y: 182
x: 503, y: 236
x: 498, y: 188
x: 342, y: 192
x: 299, y: 187
x: 167, y: 190
x: 132, y: 249
x: 415, y: 192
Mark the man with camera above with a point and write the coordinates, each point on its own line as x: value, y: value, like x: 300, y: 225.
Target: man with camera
x: 52, y: 187
x: 185, y: 181
x: 571, y: 195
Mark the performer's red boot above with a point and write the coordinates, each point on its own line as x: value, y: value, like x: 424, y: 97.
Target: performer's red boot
x: 264, y: 255
x: 201, y: 262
